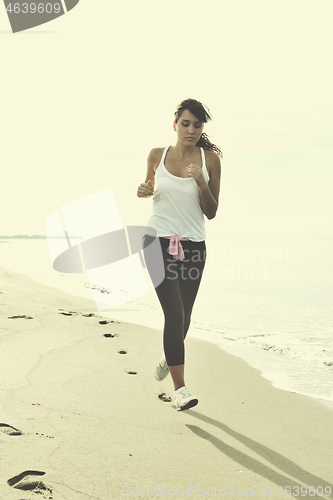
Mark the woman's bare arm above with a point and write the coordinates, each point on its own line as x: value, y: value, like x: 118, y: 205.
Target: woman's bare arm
x: 146, y: 189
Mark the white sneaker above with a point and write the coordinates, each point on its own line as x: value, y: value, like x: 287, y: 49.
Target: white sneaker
x: 184, y: 400
x: 162, y: 369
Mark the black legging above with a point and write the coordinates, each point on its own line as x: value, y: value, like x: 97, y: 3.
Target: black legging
x: 177, y: 293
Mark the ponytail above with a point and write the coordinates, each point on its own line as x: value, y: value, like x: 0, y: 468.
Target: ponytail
x: 205, y: 143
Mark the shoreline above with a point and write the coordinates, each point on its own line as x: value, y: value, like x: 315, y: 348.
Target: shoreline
x: 80, y: 407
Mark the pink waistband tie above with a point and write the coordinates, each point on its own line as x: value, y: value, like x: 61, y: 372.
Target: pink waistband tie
x: 175, y: 247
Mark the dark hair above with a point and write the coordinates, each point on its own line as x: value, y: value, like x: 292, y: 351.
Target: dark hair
x: 202, y: 113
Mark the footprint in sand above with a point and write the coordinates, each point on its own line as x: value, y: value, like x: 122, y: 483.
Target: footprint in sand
x: 132, y: 373
x: 164, y: 397
x: 122, y: 352
x: 108, y: 335
x: 27, y: 480
x: 67, y: 313
x: 11, y: 431
x: 20, y: 316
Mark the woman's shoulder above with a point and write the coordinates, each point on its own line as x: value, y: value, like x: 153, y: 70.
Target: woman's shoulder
x: 157, y: 151
x: 211, y: 154
x: 213, y: 163
x: 156, y: 155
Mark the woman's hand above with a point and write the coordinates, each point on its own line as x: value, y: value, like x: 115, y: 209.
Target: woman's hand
x: 197, y: 174
x: 145, y: 190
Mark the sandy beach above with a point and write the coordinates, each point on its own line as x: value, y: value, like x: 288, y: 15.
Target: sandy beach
x: 82, y: 416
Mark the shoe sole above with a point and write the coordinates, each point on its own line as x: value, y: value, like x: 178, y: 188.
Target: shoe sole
x: 158, y: 378
x: 188, y: 405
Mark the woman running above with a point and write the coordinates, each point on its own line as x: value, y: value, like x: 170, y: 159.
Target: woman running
x: 184, y: 181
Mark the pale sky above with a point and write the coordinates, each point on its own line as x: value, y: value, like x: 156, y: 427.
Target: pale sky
x: 87, y: 96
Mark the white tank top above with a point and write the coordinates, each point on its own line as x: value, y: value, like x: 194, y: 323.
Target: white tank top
x: 176, y: 204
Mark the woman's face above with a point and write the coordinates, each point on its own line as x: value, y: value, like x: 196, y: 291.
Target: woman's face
x: 188, y: 128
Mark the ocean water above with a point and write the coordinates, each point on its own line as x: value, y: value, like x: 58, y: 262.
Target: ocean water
x: 267, y: 299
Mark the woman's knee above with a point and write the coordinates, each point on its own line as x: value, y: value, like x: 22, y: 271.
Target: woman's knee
x: 175, y: 316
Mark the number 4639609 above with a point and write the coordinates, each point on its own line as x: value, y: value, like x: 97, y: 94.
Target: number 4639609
x: 303, y: 491
x: 33, y: 8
